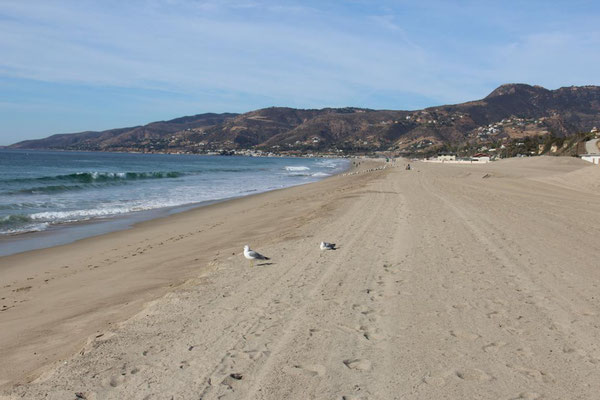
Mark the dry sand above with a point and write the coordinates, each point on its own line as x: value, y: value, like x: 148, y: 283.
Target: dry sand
x: 450, y: 282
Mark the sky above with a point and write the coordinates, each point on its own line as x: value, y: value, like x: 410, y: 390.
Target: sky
x: 69, y: 66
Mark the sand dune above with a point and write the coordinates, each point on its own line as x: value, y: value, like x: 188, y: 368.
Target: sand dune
x: 450, y: 282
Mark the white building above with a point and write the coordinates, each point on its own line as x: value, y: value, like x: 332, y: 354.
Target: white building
x: 593, y: 158
x: 481, y: 158
x: 446, y: 157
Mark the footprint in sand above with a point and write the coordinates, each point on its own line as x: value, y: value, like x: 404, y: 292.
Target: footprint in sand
x: 86, y: 396
x: 464, y: 335
x: 115, y: 381
x: 587, y: 313
x: 255, y: 354
x: 571, y: 350
x: 358, y: 364
x: 530, y: 373
x: 460, y: 306
x: 22, y: 289
x: 473, y: 374
x: 231, y: 380
x: 493, y: 347
x: 124, y: 375
x: 371, y: 334
x: 436, y: 378
x: 528, y: 396
x: 493, y: 314
x: 311, y: 369
x: 525, y: 351
x: 362, y: 309
x: 313, y: 331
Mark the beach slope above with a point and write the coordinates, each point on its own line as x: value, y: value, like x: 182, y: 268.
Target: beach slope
x: 450, y: 281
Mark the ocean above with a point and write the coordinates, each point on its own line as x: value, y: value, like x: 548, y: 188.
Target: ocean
x: 49, y: 190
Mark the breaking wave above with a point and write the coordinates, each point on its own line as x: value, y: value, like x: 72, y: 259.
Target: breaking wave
x: 299, y: 168
x: 90, y: 177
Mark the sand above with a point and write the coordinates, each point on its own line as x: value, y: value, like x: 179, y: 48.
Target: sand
x: 450, y: 282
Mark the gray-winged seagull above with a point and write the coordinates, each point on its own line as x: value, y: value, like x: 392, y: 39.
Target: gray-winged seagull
x: 253, y: 255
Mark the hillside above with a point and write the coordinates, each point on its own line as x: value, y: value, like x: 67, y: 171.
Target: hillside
x: 137, y: 136
x: 511, y: 112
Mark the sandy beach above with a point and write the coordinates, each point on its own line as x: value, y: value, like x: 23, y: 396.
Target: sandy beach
x: 450, y: 282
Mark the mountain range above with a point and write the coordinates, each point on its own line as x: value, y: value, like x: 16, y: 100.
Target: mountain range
x: 510, y: 111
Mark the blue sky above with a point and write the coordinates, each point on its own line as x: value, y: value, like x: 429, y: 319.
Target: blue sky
x: 68, y: 66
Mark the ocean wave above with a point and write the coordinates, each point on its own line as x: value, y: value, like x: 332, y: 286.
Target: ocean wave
x: 80, y: 181
x: 46, y: 189
x: 92, y: 177
x: 14, y: 220
x: 25, y: 229
x: 299, y: 168
x: 25, y: 205
x: 82, y: 215
x: 231, y: 169
x: 294, y: 174
x: 116, y: 195
x: 19, y: 223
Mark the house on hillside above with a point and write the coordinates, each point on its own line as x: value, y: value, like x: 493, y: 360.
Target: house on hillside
x: 481, y: 157
x: 446, y: 157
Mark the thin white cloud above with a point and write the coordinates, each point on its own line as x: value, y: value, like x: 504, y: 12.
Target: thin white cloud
x: 276, y: 50
x: 188, y: 52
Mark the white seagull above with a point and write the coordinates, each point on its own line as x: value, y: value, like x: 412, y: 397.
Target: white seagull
x: 327, y: 246
x: 253, y: 255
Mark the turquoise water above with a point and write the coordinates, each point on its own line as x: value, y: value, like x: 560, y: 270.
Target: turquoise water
x: 44, y: 190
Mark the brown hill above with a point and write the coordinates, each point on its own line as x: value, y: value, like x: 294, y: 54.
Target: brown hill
x: 510, y: 111
x: 123, y: 137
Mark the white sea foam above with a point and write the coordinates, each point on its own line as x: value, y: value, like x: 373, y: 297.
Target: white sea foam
x: 328, y: 164
x: 299, y: 168
x: 25, y: 228
x: 79, y: 215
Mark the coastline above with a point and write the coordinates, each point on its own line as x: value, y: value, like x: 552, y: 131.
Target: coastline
x: 66, y: 233
x: 448, y: 281
x: 49, y: 280
x: 58, y: 233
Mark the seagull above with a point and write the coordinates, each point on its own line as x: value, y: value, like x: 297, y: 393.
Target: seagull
x: 252, y: 255
x: 327, y: 246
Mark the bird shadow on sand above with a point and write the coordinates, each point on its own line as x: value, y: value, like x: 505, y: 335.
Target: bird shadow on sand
x: 264, y: 264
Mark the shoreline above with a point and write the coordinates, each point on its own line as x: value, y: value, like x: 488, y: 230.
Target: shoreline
x: 68, y: 232
x: 117, y: 259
